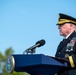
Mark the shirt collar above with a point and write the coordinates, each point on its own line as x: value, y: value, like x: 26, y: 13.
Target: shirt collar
x: 68, y: 35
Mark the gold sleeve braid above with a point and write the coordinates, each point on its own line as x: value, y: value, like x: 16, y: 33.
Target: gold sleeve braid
x: 71, y: 61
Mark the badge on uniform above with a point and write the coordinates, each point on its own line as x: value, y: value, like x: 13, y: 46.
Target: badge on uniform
x: 70, y: 45
x: 66, y: 55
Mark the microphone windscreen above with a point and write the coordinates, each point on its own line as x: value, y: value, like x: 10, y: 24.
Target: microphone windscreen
x: 41, y: 43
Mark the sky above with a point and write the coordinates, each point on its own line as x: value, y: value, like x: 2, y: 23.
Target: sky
x: 24, y: 22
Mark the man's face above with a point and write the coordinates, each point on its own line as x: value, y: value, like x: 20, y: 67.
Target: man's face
x: 64, y: 29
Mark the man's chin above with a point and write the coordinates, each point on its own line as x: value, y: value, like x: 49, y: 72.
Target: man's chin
x: 61, y: 34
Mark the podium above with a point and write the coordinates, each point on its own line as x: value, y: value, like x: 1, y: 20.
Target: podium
x: 34, y: 64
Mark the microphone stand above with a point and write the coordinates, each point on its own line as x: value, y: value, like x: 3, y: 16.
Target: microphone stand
x: 30, y: 51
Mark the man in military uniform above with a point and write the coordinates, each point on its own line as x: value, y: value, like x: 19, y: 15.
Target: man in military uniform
x: 67, y: 48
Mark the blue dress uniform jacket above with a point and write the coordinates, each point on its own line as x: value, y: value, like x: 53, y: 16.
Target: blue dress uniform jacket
x: 69, y: 53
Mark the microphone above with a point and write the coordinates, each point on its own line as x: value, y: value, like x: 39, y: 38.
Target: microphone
x: 38, y: 44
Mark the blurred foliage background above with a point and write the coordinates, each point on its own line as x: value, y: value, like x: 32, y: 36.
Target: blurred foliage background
x: 3, y: 57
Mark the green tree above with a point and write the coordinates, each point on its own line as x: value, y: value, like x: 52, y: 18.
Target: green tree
x: 3, y: 57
